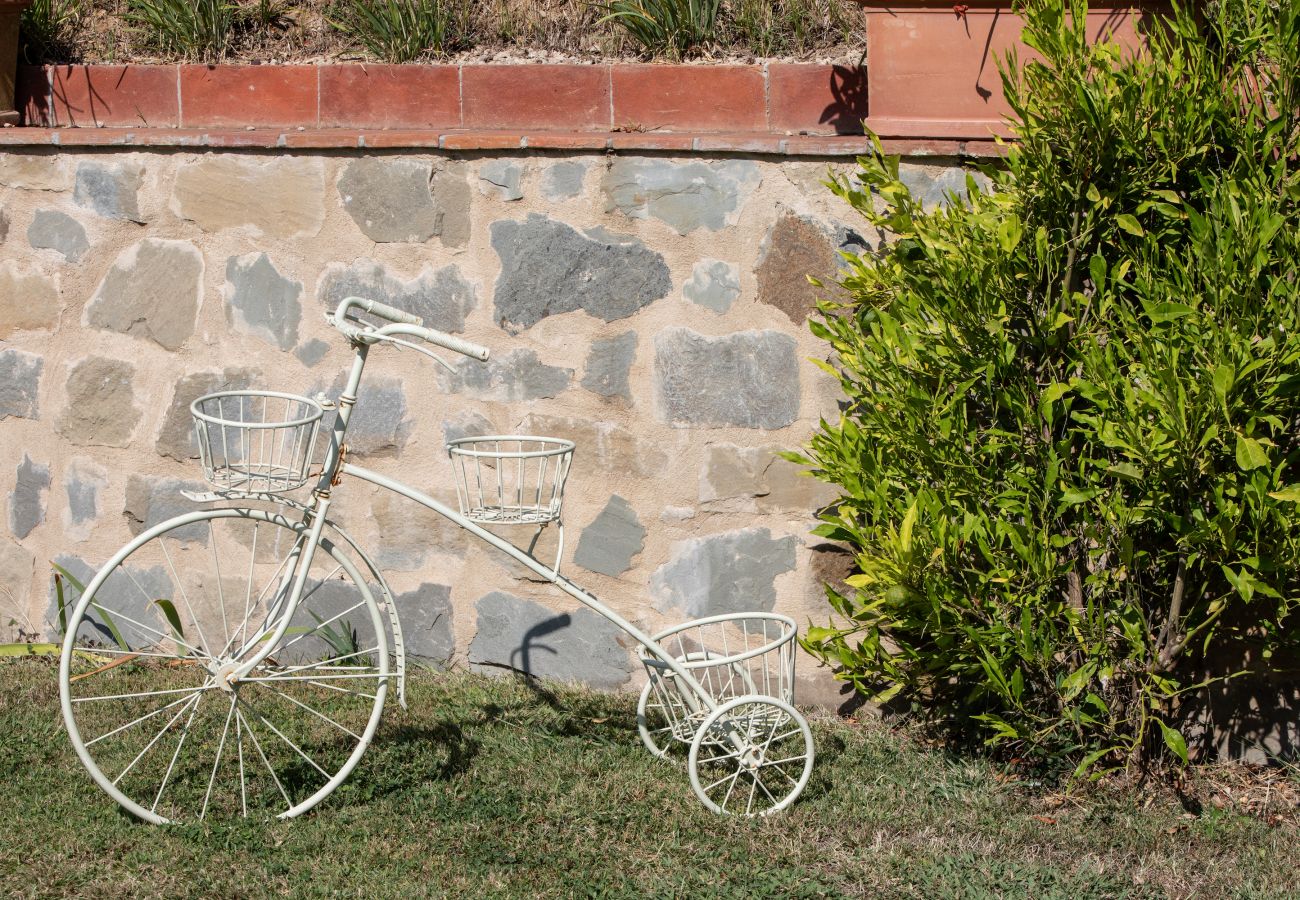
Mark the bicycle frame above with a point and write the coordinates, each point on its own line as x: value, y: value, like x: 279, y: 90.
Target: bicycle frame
x: 335, y: 467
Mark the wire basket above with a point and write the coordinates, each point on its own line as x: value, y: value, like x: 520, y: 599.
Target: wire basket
x: 256, y: 440
x: 732, y: 655
x: 510, y: 479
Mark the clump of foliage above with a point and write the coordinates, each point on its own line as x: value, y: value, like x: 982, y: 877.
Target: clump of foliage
x: 49, y: 30
x: 399, y: 31
x: 669, y: 27
x: 192, y: 29
x: 1070, y: 455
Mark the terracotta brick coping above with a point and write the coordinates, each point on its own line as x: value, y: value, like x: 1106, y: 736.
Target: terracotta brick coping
x: 776, y: 108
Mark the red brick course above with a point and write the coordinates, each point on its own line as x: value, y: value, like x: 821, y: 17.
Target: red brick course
x: 260, y: 96
x: 374, y: 96
x: 690, y: 98
x: 120, y: 96
x: 553, y: 98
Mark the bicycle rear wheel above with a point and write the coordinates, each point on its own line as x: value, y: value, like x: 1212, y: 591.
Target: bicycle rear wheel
x: 145, y: 676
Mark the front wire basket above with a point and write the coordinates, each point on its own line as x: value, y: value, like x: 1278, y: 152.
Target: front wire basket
x: 510, y: 479
x: 731, y: 656
x: 256, y: 440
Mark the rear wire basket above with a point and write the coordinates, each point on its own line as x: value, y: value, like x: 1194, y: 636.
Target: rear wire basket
x: 730, y: 656
x: 510, y: 479
x: 256, y: 440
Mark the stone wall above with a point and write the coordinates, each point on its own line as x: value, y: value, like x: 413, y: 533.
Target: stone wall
x: 651, y: 308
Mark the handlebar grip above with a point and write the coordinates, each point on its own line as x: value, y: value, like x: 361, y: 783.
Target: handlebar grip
x: 383, y: 311
x: 455, y: 344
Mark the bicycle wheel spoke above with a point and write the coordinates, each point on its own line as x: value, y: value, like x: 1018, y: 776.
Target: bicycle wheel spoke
x: 278, y: 733
x: 312, y: 678
x: 145, y: 717
x: 221, y: 745
x: 318, y: 714
x: 188, y: 690
x: 258, y: 746
x: 239, y: 746
x: 321, y: 625
x: 325, y: 662
x: 167, y: 637
x: 221, y: 594
x: 180, y: 586
x: 149, y: 746
x: 185, y: 732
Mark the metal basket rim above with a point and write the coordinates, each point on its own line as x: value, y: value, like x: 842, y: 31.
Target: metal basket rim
x: 560, y: 446
x: 317, y: 411
x: 649, y: 657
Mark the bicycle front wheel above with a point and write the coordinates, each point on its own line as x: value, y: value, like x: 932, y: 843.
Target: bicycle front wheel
x: 146, y: 673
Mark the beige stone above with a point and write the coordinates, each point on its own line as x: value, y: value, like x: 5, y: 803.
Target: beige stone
x: 280, y: 198
x: 16, y: 566
x: 101, y: 408
x: 35, y: 172
x: 28, y: 301
x: 152, y: 291
x: 610, y: 447
x: 755, y: 479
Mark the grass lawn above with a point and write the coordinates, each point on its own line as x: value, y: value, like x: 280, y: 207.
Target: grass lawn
x: 493, y: 787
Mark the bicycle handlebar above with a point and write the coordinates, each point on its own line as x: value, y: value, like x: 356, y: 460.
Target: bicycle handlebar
x: 403, y: 323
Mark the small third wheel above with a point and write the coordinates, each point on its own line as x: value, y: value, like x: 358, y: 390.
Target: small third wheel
x: 751, y: 757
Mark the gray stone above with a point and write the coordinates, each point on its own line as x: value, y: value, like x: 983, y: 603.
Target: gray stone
x: 604, y: 446
x: 390, y: 199
x: 443, y: 298
x: 757, y: 480
x: 408, y: 532
x: 262, y: 302
x: 27, y: 501
x: 548, y: 268
x: 54, y: 230
x: 724, y: 573
x: 28, y: 301
x: 379, y: 422
x: 101, y: 404
x: 312, y: 352
x: 4, y: 226
x: 20, y: 383
x: 278, y: 196
x: 110, y: 190
x: 84, y: 481
x: 714, y: 284
x: 527, y: 637
x: 563, y: 181
x: 152, y: 291
x: 749, y: 379
x: 467, y: 424
x: 176, y: 434
x: 608, y: 365
x: 500, y: 178
x: 933, y: 183
x: 613, y: 538
x: 426, y: 617
x: 685, y: 196
x: 452, y: 201
x: 515, y: 376
x: 150, y: 500
x: 128, y: 594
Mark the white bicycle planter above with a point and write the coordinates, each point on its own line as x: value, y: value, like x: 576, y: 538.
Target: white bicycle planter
x: 234, y: 661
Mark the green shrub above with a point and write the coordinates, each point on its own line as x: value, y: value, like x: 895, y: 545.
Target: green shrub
x: 49, y: 29
x: 398, y: 31
x: 1070, y: 456
x: 192, y: 29
x: 668, y: 27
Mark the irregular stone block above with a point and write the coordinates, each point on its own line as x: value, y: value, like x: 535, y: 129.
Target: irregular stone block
x: 501, y: 179
x: 714, y: 284
x: 795, y: 248
x: 84, y: 482
x: 20, y: 384
x: 282, y: 197
x: 408, y: 532
x: 129, y: 592
x: 54, y: 230
x: 426, y: 617
x: 610, y: 542
x: 467, y: 424
x: 28, y: 301
x: 611, y: 448
x: 724, y: 573
x: 563, y: 180
x: 111, y: 190
x: 16, y: 568
x: 515, y: 376
x: 548, y: 268
x: 262, y: 302
x: 608, y: 364
x: 756, y: 480
x: 749, y: 379
x: 27, y: 501
x: 4, y: 226
x: 390, y: 199
x: 443, y: 298
x: 101, y: 404
x: 932, y: 184
x: 379, y: 422
x: 451, y: 199
x: 150, y: 500
x: 35, y: 172
x: 527, y: 637
x: 312, y: 352
x: 176, y: 437
x: 685, y: 196
x: 152, y: 291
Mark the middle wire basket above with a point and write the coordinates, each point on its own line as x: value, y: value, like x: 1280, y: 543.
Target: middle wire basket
x: 511, y: 479
x: 256, y: 440
x: 732, y: 655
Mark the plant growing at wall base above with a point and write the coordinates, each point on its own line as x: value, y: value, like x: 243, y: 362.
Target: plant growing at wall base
x: 1069, y: 458
x: 398, y: 31
x: 48, y: 30
x: 192, y: 29
x: 671, y: 27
